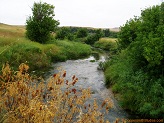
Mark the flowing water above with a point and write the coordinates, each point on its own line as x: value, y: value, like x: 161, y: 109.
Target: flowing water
x: 89, y: 76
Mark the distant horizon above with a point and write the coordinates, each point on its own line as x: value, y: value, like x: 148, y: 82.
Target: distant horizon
x: 78, y: 13
x: 64, y: 26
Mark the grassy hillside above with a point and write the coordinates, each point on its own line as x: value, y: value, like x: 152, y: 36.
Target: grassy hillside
x: 11, y: 31
x: 15, y: 49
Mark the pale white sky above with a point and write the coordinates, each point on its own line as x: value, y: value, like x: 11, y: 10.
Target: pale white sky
x: 88, y: 13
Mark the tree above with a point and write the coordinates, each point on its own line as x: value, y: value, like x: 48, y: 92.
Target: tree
x: 40, y: 25
x: 137, y: 72
x: 106, y: 32
x: 91, y: 39
x: 99, y: 34
x: 62, y: 33
x: 128, y: 33
x: 82, y: 32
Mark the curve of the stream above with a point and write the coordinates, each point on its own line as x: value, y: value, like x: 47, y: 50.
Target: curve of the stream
x: 89, y: 76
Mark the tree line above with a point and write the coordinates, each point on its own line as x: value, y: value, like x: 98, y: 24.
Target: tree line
x: 42, y: 24
x: 72, y: 33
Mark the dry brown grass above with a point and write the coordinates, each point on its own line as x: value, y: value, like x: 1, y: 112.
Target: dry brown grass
x: 24, y: 99
x: 11, y: 31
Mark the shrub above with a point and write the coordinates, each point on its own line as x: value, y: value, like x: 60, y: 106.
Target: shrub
x: 91, y: 39
x: 137, y: 71
x: 62, y: 33
x: 82, y: 32
x: 136, y: 87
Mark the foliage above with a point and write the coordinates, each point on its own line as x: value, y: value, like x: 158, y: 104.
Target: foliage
x: 73, y: 50
x: 41, y: 23
x: 99, y: 33
x: 25, y: 99
x: 106, y: 32
x: 128, y: 33
x: 15, y: 49
x: 114, y: 34
x: 42, y: 55
x: 62, y: 33
x: 108, y: 44
x: 137, y: 71
x: 29, y: 52
x: 109, y: 33
x: 91, y: 39
x: 82, y: 32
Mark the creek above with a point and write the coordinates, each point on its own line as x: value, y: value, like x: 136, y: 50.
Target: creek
x: 89, y: 76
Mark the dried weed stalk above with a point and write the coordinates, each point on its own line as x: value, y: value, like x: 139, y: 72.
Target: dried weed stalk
x: 27, y: 100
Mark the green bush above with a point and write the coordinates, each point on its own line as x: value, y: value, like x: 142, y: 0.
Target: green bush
x: 91, y: 39
x: 137, y: 71
x: 62, y: 33
x: 135, y: 86
x: 82, y: 32
x: 108, y: 44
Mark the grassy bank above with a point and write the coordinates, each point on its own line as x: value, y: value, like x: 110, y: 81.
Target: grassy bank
x: 71, y: 50
x: 16, y: 49
x: 108, y: 44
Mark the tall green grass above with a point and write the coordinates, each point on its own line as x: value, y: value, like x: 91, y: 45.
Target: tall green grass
x: 108, y: 44
x: 23, y: 51
x: 39, y: 55
x: 73, y: 50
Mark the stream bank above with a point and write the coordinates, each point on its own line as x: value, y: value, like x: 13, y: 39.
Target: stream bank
x: 86, y: 70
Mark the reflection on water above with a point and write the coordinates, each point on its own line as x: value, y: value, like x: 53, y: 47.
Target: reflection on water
x: 90, y: 76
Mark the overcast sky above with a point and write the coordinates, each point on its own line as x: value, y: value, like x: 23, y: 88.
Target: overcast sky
x: 88, y: 13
